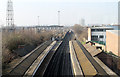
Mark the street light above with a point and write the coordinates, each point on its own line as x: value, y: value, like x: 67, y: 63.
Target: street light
x: 58, y: 18
x: 38, y: 21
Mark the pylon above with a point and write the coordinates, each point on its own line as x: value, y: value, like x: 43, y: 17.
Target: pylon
x: 10, y: 15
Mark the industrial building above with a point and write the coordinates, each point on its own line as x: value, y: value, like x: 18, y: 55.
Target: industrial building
x: 98, y: 34
x: 112, y: 41
x: 82, y: 22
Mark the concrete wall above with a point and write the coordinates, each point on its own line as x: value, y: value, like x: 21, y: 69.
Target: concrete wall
x: 112, y: 43
x: 89, y: 34
x: 118, y: 45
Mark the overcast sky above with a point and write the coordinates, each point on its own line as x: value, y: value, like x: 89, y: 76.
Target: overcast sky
x: 71, y: 11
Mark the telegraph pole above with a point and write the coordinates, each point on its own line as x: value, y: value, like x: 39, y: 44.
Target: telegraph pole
x: 58, y: 18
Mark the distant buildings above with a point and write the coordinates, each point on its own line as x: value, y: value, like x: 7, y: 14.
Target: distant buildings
x: 112, y: 41
x: 98, y: 34
x: 35, y: 29
x: 82, y: 22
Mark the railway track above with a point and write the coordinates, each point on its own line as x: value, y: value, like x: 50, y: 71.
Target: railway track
x: 60, y: 64
x: 57, y: 62
x: 22, y: 67
x: 41, y: 69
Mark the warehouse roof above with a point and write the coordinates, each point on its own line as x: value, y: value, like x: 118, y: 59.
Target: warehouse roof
x: 101, y: 27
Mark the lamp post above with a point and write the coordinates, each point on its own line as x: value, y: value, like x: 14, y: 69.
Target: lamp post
x: 38, y: 21
x: 58, y: 18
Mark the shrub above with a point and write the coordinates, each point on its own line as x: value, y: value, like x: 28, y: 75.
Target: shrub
x: 14, y: 41
x: 80, y: 31
x: 11, y: 41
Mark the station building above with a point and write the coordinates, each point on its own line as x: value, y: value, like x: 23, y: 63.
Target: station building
x: 98, y: 34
